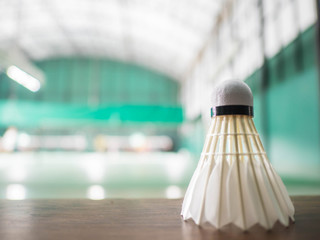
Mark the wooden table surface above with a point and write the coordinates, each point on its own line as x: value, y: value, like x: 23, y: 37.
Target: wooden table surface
x: 135, y: 219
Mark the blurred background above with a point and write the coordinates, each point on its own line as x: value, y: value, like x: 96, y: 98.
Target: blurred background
x: 111, y: 98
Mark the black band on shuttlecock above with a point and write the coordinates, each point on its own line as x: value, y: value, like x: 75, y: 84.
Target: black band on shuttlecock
x: 232, y: 110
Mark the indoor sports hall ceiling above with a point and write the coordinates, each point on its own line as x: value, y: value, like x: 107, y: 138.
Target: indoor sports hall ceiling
x: 163, y: 35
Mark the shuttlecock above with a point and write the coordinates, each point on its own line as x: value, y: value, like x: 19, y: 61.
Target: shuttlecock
x: 234, y: 181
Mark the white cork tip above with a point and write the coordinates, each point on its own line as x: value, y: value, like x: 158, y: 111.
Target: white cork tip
x: 232, y: 92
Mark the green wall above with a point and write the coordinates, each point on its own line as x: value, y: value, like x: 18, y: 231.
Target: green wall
x: 287, y: 108
x: 92, y: 81
x: 91, y: 91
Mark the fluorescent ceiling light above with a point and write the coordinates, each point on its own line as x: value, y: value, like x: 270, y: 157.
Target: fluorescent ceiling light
x: 23, y: 78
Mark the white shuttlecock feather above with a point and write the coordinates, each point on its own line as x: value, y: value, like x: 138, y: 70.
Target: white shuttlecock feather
x: 234, y: 181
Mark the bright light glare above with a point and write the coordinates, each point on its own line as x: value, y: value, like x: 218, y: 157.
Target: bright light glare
x: 23, y: 78
x: 24, y: 140
x: 16, y: 192
x: 137, y: 140
x: 173, y: 192
x: 95, y: 192
x: 9, y: 139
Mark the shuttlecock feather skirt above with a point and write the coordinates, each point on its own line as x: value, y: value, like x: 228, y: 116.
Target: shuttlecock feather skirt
x: 234, y: 182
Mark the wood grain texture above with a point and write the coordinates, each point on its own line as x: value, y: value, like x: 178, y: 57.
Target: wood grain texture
x: 135, y: 219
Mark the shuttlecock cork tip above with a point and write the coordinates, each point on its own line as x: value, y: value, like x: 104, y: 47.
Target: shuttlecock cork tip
x: 232, y: 97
